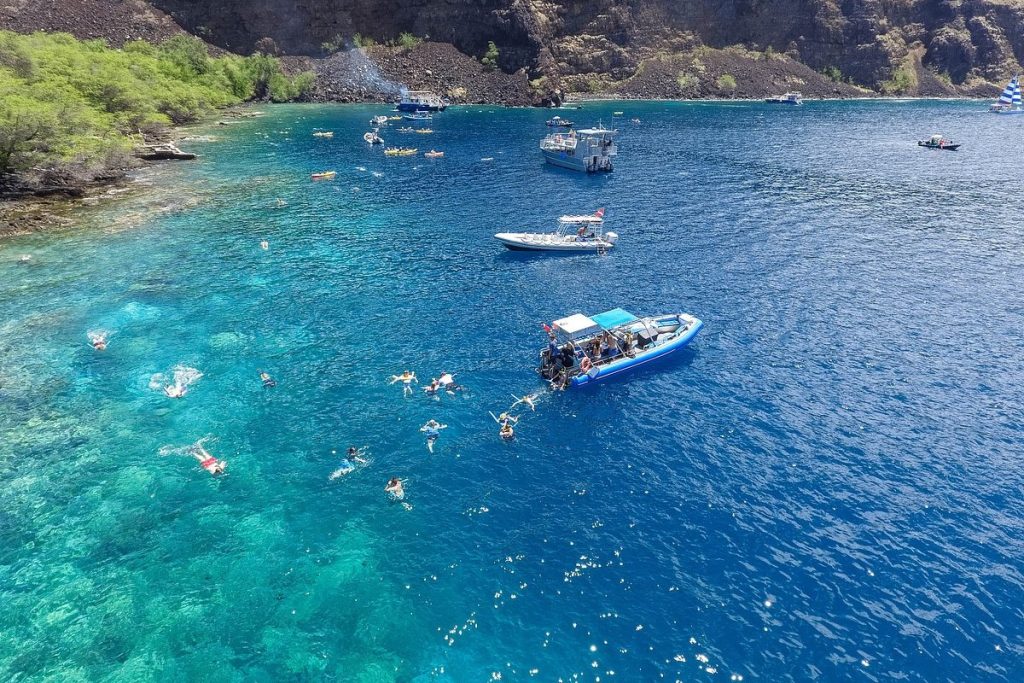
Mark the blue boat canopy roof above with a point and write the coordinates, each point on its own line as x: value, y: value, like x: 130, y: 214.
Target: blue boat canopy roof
x: 613, y: 318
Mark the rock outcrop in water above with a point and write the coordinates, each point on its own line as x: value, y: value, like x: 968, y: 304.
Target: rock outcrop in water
x: 645, y: 48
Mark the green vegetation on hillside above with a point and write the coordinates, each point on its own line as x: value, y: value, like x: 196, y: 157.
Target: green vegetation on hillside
x: 490, y: 58
x: 70, y: 106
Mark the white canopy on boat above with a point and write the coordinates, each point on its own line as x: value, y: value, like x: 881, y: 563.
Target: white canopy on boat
x: 577, y: 325
x: 597, y: 131
x: 581, y: 219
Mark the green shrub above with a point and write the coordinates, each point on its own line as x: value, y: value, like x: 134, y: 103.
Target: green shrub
x: 490, y: 58
x: 833, y: 73
x: 726, y: 82
x: 408, y: 40
x: 74, y: 103
x: 363, y: 41
x: 687, y: 81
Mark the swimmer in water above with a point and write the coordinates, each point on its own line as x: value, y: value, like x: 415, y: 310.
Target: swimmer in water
x: 25, y: 258
x: 281, y: 202
x: 505, y: 419
x: 207, y: 461
x: 406, y: 378
x: 433, y: 430
x: 529, y: 400
x: 267, y: 380
x: 98, y: 340
x: 175, y: 390
x: 447, y: 382
x: 432, y: 388
x: 506, y: 432
x: 353, y: 457
x: 395, y: 489
x: 264, y: 245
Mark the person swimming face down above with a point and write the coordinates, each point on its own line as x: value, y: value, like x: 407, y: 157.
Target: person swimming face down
x: 208, y: 462
x: 395, y: 488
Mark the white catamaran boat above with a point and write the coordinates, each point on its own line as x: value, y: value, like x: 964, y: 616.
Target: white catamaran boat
x: 574, y: 234
x: 584, y: 349
x: 1009, y: 102
x: 590, y: 149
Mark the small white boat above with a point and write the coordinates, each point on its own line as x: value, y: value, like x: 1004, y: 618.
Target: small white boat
x: 575, y: 233
x: 790, y: 98
x: 379, y: 121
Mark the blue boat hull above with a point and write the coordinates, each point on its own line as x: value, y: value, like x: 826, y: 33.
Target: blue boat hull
x: 410, y: 106
x: 625, y: 364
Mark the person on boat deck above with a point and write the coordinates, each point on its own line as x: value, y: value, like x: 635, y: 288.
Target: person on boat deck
x: 207, y: 461
x: 568, y: 356
x: 395, y: 488
x: 595, y: 348
x: 627, y: 344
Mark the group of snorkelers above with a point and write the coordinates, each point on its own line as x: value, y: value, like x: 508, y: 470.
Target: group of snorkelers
x: 446, y: 383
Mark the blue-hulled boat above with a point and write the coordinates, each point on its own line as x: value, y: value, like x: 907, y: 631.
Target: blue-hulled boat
x: 584, y: 349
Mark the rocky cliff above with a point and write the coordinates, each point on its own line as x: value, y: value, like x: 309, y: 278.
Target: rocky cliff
x: 657, y: 48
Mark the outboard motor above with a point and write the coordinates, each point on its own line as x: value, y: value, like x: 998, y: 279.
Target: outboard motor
x: 611, y: 237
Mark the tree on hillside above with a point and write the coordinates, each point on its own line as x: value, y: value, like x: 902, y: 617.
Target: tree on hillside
x: 490, y: 58
x: 25, y: 129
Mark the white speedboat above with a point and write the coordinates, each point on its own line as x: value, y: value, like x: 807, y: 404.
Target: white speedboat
x: 575, y: 233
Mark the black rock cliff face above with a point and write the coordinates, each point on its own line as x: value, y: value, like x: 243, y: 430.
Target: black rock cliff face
x: 636, y: 48
x: 879, y: 44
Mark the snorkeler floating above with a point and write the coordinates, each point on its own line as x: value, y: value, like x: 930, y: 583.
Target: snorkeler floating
x: 433, y: 430
x: 353, y: 457
x: 395, y: 489
x: 183, y: 378
x: 505, y: 421
x: 207, y: 461
x: 264, y: 245
x: 447, y: 382
x: 267, y: 380
x: 506, y: 432
x: 406, y: 378
x: 529, y: 400
x: 98, y: 340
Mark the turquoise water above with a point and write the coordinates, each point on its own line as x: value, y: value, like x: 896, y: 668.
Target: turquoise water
x: 825, y: 486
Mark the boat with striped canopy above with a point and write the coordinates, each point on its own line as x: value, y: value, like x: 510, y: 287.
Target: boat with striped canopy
x: 1009, y: 101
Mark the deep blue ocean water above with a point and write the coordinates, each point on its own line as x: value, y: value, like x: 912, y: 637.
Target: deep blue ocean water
x: 825, y: 486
